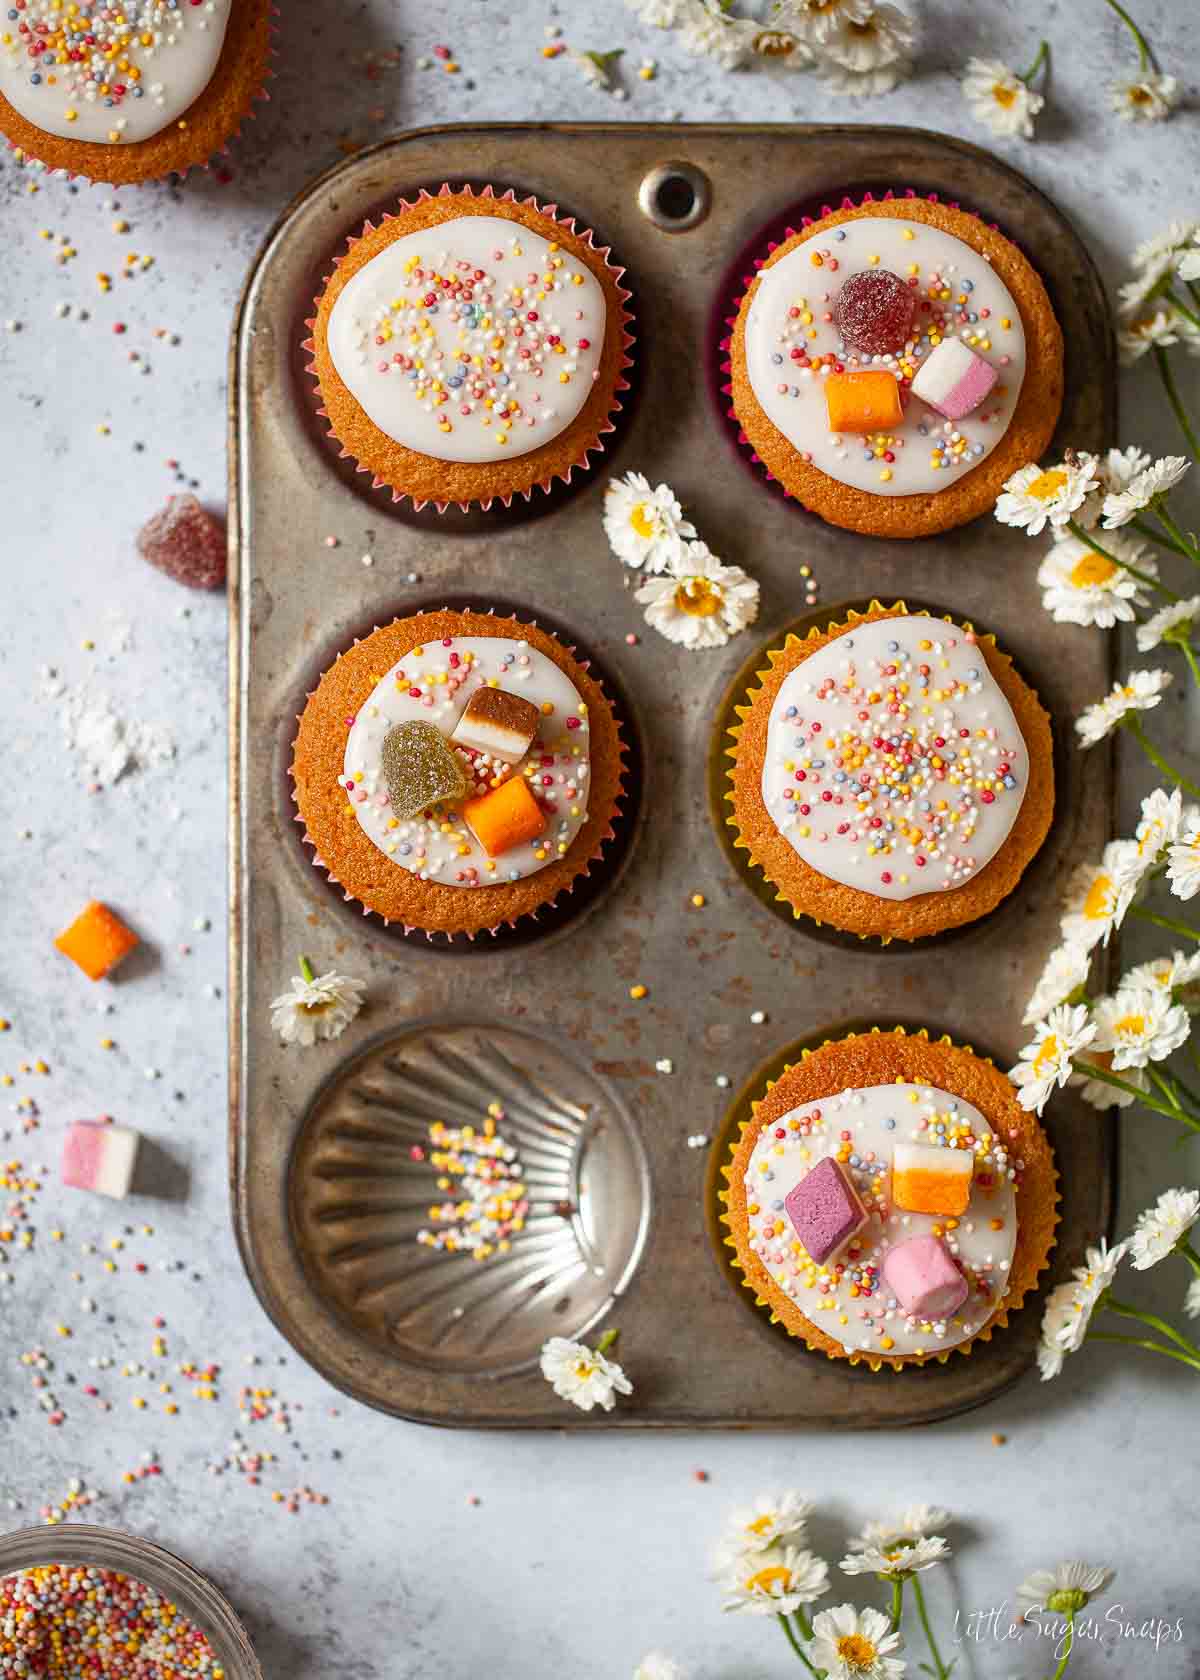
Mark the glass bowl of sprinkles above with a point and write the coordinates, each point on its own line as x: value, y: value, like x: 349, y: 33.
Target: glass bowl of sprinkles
x: 77, y: 1599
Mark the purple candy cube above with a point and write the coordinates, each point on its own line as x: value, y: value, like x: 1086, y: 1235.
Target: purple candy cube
x: 825, y: 1210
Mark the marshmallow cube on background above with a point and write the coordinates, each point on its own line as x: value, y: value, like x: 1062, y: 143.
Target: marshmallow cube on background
x: 825, y: 1210
x: 953, y: 379
x: 923, y: 1277
x: 99, y: 1157
x: 927, y: 1178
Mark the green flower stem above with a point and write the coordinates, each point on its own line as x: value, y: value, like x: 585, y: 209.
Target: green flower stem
x: 1159, y: 1325
x: 1184, y: 1247
x: 1043, y: 57
x: 1145, y: 57
x: 1189, y: 654
x: 943, y: 1673
x: 1173, y: 397
x: 1167, y: 922
x: 1070, y: 1644
x: 1143, y: 1342
x: 897, y: 1602
x: 1168, y: 524
x: 306, y: 970
x: 1157, y: 759
x: 1086, y: 537
x: 1092, y: 1071
x: 1148, y: 531
x: 1171, y: 1086
x: 800, y: 1617
x: 794, y: 1642
x: 1188, y: 313
x: 608, y: 1340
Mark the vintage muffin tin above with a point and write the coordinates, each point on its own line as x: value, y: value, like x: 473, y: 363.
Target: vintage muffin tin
x: 327, y: 1197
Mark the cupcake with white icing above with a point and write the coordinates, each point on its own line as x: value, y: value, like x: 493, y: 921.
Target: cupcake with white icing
x: 130, y: 93
x: 889, y: 1201
x: 471, y: 348
x: 892, y: 775
x: 892, y: 364
x: 456, y: 770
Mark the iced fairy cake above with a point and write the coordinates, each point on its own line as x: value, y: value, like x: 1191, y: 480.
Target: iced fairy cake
x: 455, y: 770
x: 892, y: 775
x: 890, y: 1202
x: 892, y: 364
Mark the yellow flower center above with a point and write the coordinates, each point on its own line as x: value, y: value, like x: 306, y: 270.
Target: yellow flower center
x: 698, y: 597
x: 856, y: 1651
x: 318, y: 1008
x: 1003, y: 94
x: 767, y: 1579
x: 760, y: 1525
x: 1097, y: 904
x: 584, y: 1368
x: 1047, y: 485
x: 866, y: 30
x: 1132, y: 1025
x: 1139, y: 95
x: 1091, y: 569
x: 641, y: 524
x: 1047, y: 1054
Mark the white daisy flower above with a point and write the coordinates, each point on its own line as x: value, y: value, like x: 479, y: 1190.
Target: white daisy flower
x: 999, y: 98
x: 899, y: 1560
x: 1098, y: 896
x: 1183, y: 859
x: 1156, y: 326
x: 1046, y: 1062
x: 1058, y: 1313
x: 771, y: 1518
x: 1139, y: 1025
x: 698, y: 601
x: 1143, y: 690
x: 1191, y: 1301
x: 1153, y: 261
x: 1065, y: 972
x: 776, y: 1582
x: 1119, y: 467
x: 1159, y: 823
x: 865, y: 84
x: 1069, y: 1307
x: 1035, y: 495
x: 916, y: 1522
x: 1161, y: 1227
x: 1066, y: 1587
x: 1123, y: 505
x: 1188, y: 266
x: 1172, y: 623
x: 596, y: 68
x: 1178, y: 975
x: 644, y: 526
x: 1080, y: 586
x: 883, y: 37
x: 582, y: 1375
x: 655, y: 1665
x: 1099, y: 1093
x: 318, y: 1006
x: 850, y: 1644
x: 1151, y: 97
x: 659, y: 14
x: 815, y: 21
x: 708, y: 32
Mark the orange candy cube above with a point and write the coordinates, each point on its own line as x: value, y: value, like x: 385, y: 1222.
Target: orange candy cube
x: 97, y: 940
x: 863, y: 402
x: 929, y: 1179
x: 505, y: 817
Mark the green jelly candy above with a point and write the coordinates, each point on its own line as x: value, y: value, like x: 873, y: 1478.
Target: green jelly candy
x: 420, y: 768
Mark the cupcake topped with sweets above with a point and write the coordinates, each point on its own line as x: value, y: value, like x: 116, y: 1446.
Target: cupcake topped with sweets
x: 892, y: 365
x: 471, y: 348
x: 132, y: 92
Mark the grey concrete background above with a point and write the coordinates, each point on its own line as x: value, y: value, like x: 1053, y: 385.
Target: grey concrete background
x: 437, y: 1553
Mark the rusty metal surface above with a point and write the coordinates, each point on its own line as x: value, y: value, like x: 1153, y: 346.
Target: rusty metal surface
x: 701, y: 1358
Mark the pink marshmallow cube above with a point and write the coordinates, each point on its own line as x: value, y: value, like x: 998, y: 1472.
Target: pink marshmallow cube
x: 99, y: 1157
x: 953, y: 379
x: 921, y: 1273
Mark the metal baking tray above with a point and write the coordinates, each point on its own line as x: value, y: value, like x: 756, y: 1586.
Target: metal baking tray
x: 326, y: 1195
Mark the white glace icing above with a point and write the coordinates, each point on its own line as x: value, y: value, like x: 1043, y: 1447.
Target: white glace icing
x: 792, y: 345
x: 109, y: 74
x: 847, y: 1298
x: 894, y: 763
x: 434, y: 682
x: 473, y: 340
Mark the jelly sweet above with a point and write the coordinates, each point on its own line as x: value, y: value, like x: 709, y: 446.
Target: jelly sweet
x: 420, y: 768
x: 187, y: 542
x: 874, y: 311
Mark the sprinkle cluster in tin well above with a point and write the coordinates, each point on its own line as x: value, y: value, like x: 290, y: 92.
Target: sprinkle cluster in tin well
x: 483, y: 1170
x: 63, y: 1620
x: 99, y: 54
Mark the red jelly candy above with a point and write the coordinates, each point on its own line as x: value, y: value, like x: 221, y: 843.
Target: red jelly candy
x: 873, y: 312
x: 187, y: 542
